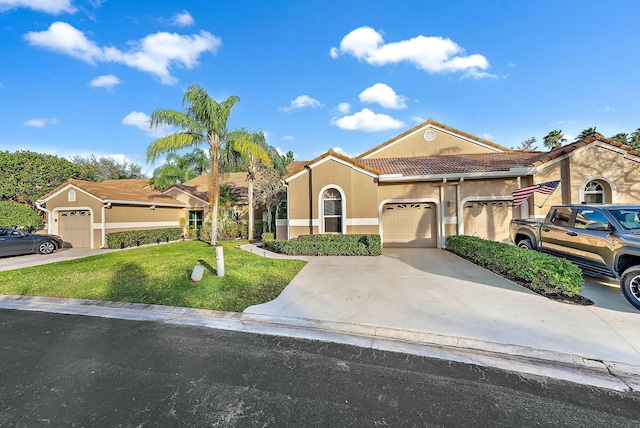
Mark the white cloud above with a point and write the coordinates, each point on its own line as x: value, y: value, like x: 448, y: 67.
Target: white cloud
x: 512, y: 65
x: 41, y: 122
x: 183, y: 19
x: 367, y: 121
x: 106, y: 81
x: 153, y: 54
x: 570, y: 138
x: 334, y: 53
x: 342, y: 152
x: 288, y: 138
x: 432, y: 54
x: 302, y: 101
x: 54, y: 7
x: 344, y: 108
x: 383, y: 95
x: 607, y: 108
x: 141, y: 121
x: 487, y: 136
x: 418, y: 119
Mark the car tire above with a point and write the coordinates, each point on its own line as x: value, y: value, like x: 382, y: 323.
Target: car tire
x: 46, y: 247
x: 630, y: 285
x: 526, y: 244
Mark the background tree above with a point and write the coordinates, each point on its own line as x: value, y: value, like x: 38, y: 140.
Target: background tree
x: 620, y: 137
x: 108, y: 168
x: 15, y: 214
x: 229, y: 197
x: 554, y: 139
x: 585, y: 133
x: 26, y: 176
x: 270, y: 193
x: 253, y: 151
x: 179, y: 169
x: 634, y: 139
x: 203, y: 123
x: 527, y: 144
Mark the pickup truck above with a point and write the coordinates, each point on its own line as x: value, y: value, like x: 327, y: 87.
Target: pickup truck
x: 603, y: 240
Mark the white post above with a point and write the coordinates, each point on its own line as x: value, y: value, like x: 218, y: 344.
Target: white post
x: 219, y: 261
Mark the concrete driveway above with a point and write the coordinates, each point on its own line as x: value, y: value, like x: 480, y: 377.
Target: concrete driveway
x: 430, y: 290
x: 17, y: 262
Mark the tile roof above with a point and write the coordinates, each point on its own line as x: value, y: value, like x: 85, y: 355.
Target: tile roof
x: 199, y: 186
x: 296, y: 167
x: 436, y: 124
x: 130, y: 190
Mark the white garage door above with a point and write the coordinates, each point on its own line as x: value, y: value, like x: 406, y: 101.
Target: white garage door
x: 409, y: 225
x: 489, y: 219
x: 74, y: 227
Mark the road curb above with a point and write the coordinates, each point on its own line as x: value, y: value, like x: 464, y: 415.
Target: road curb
x: 575, y: 368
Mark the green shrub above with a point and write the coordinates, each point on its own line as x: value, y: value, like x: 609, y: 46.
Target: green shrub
x: 132, y: 238
x: 14, y: 214
x: 233, y: 230
x: 328, y: 245
x: 544, y: 273
x: 267, y: 237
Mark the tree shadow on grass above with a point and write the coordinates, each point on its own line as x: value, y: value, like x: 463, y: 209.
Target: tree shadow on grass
x: 129, y: 283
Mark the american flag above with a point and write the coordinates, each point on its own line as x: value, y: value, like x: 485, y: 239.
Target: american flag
x: 544, y: 188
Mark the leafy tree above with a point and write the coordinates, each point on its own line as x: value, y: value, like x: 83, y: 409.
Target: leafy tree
x: 253, y: 151
x: 634, y: 139
x: 620, y: 137
x: 554, y: 139
x: 179, y: 169
x: 108, y: 168
x: 14, y: 214
x: 228, y: 198
x: 270, y: 193
x: 203, y: 123
x: 527, y: 144
x: 586, y: 133
x: 26, y: 176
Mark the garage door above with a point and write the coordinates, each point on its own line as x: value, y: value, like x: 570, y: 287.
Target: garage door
x: 489, y: 219
x: 74, y: 227
x: 409, y: 225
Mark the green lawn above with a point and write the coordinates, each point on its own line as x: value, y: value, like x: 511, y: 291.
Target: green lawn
x: 160, y: 274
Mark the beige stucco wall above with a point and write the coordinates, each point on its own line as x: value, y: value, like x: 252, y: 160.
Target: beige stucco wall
x: 83, y: 201
x: 443, y: 144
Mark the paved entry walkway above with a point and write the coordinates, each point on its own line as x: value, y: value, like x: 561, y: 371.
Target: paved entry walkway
x: 26, y: 260
x: 434, y: 291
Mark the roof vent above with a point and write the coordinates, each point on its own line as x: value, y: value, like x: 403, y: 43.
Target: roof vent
x: 429, y: 135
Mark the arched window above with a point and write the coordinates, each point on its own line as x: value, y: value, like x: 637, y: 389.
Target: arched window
x: 332, y: 211
x: 594, y: 193
x: 71, y: 196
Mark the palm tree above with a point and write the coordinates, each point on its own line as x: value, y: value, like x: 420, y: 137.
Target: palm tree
x: 253, y: 150
x: 634, y: 139
x: 554, y: 139
x: 620, y: 137
x: 586, y: 133
x: 179, y: 169
x: 203, y: 123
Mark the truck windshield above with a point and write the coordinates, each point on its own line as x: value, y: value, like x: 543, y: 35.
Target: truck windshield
x: 629, y: 218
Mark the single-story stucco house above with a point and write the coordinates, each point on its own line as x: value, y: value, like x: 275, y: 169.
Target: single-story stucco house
x: 433, y: 181
x: 83, y: 212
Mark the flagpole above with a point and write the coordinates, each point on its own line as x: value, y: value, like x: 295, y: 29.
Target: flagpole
x: 545, y: 201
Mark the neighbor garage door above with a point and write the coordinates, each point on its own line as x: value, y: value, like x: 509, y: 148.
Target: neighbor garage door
x: 74, y: 227
x: 488, y: 219
x: 409, y: 225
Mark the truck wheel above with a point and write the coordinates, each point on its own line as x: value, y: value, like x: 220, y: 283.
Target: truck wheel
x: 526, y: 244
x: 630, y: 285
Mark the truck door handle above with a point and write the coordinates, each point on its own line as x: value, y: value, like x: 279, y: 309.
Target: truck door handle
x: 572, y: 234
x: 546, y: 229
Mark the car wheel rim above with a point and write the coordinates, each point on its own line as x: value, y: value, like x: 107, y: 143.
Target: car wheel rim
x: 522, y: 245
x: 46, y: 247
x: 634, y: 287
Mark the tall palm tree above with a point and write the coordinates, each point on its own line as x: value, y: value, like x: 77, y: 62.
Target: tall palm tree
x: 203, y: 124
x: 620, y: 137
x: 253, y: 150
x: 554, y: 139
x: 589, y: 132
x: 634, y: 139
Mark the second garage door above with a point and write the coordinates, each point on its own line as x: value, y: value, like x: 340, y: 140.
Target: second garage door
x: 409, y: 225
x: 489, y: 219
x: 74, y: 227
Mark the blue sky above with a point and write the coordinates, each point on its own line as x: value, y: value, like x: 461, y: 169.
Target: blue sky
x: 82, y: 77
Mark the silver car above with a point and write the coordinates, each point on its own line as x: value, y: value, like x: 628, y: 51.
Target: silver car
x: 14, y: 242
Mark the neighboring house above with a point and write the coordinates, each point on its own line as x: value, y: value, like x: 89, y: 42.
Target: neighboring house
x: 433, y: 181
x: 83, y: 212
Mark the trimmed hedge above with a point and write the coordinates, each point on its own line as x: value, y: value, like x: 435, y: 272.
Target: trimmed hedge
x: 544, y: 273
x: 267, y: 236
x: 327, y: 245
x: 133, y: 238
x: 14, y: 214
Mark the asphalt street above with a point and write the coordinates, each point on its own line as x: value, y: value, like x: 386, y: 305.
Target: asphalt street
x: 68, y: 370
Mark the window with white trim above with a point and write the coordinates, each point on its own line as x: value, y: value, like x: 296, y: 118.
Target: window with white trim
x: 71, y: 196
x: 196, y: 219
x: 332, y: 211
x: 594, y: 193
